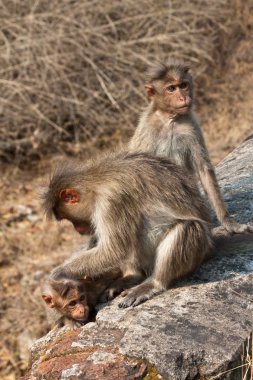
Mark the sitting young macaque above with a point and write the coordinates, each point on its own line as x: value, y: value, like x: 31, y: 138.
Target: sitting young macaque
x: 72, y: 301
x: 169, y: 127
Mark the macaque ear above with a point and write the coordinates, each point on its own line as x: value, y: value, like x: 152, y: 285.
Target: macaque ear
x: 150, y: 90
x: 69, y: 196
x: 49, y: 300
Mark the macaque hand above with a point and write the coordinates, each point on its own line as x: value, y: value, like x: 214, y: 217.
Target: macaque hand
x: 75, y: 325
x: 68, y: 324
x: 236, y: 228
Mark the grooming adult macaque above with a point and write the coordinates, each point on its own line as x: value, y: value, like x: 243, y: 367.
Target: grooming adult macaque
x: 168, y: 127
x: 147, y: 214
x: 72, y: 300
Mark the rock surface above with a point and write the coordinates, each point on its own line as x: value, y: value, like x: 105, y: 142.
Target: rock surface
x: 197, y: 330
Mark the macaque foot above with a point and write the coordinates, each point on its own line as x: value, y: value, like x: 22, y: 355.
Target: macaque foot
x: 118, y: 286
x: 236, y: 228
x: 139, y: 294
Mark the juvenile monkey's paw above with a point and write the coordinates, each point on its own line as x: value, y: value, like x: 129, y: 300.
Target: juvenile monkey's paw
x: 77, y: 325
x: 68, y: 324
x: 236, y: 228
x: 74, y: 325
x: 220, y: 231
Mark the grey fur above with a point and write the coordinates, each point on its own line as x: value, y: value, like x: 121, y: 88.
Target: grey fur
x: 165, y: 130
x: 159, y: 70
x: 138, y: 202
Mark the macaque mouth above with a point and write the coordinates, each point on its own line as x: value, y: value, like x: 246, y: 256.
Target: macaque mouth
x: 82, y: 319
x: 184, y: 107
x: 83, y: 228
x: 86, y: 315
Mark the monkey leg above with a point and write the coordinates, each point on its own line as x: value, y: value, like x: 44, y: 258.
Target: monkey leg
x: 117, y: 286
x: 180, y: 252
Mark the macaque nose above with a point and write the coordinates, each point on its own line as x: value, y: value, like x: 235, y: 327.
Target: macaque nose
x: 81, y: 309
x: 182, y: 96
x: 80, y: 312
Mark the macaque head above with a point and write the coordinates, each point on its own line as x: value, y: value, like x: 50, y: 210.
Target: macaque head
x: 169, y: 86
x: 66, y: 198
x: 69, y: 206
x: 69, y: 297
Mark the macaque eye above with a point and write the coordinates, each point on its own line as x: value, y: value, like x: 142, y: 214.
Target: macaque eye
x: 183, y: 85
x: 82, y: 298
x: 72, y: 303
x: 171, y: 88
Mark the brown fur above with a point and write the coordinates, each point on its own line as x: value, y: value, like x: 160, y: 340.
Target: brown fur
x: 147, y: 215
x: 58, y: 295
x: 169, y: 127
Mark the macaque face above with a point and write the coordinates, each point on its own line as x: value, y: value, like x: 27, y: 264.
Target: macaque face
x: 69, y: 298
x: 74, y: 306
x: 174, y: 94
x: 71, y: 207
x: 177, y: 95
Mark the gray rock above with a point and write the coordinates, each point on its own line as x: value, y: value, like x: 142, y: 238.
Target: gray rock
x: 197, y: 330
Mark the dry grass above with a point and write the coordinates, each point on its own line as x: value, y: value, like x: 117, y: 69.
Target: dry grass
x: 72, y: 72
x: 244, y: 369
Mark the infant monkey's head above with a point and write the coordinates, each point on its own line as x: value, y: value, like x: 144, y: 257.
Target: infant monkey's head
x: 69, y: 297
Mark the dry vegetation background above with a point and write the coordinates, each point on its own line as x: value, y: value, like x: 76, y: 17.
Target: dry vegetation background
x: 71, y: 76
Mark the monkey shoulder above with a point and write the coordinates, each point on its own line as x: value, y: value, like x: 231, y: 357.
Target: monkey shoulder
x: 143, y: 139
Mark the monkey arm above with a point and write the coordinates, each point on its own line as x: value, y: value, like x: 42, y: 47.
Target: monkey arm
x: 210, y: 184
x: 110, y: 253
x: 92, y: 262
x: 205, y: 170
